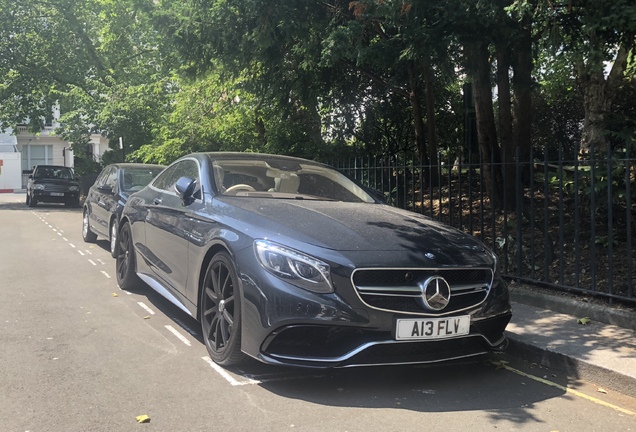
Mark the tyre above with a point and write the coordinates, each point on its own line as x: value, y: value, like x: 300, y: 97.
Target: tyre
x: 221, y: 311
x: 27, y: 199
x: 88, y: 235
x: 125, y: 266
x: 114, y: 245
x: 32, y: 201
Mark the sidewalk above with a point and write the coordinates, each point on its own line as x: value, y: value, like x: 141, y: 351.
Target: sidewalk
x: 544, y: 330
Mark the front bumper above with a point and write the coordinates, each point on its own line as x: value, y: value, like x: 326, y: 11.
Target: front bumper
x: 55, y: 197
x: 286, y: 325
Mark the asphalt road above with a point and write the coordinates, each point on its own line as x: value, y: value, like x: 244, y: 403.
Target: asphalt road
x: 79, y: 354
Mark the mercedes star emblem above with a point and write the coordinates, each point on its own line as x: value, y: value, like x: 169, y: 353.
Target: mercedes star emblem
x: 436, y: 293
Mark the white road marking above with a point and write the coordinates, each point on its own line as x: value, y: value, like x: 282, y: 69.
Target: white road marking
x: 80, y: 252
x: 186, y: 328
x: 146, y: 308
x: 101, y: 262
x: 88, y: 252
x: 65, y: 239
x: 92, y: 262
x: 229, y: 378
x: 106, y: 274
x: 179, y: 336
x: 72, y: 245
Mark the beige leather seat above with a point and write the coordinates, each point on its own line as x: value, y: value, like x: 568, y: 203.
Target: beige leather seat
x: 287, y: 184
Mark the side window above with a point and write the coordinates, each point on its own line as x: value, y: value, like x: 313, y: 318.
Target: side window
x: 111, y: 179
x: 185, y: 168
x: 101, y: 179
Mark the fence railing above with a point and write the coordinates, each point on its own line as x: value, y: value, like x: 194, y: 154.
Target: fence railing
x: 564, y: 224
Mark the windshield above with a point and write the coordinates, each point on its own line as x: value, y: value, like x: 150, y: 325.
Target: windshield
x: 134, y: 179
x: 53, y: 172
x: 284, y: 179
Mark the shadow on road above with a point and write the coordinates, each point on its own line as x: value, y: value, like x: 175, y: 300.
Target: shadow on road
x: 459, y: 386
x: 39, y: 207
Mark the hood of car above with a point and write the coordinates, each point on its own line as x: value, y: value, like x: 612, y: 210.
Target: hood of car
x: 354, y: 227
x: 60, y: 182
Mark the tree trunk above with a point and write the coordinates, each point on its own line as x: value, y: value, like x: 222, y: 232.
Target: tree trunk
x: 596, y: 105
x: 479, y: 69
x: 505, y: 123
x: 431, y: 128
x: 598, y: 96
x: 416, y: 106
x: 522, y: 107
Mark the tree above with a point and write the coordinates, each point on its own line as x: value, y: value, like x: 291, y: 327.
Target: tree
x: 598, y: 39
x: 92, y: 57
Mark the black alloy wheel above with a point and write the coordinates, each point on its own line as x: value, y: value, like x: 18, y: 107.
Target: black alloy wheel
x: 221, y: 311
x: 88, y: 235
x: 125, y: 264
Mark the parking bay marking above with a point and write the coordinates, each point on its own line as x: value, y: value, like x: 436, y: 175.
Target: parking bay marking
x: 146, y: 308
x: 179, y: 336
x: 255, y: 379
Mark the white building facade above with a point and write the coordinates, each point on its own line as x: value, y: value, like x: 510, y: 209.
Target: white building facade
x: 44, y: 148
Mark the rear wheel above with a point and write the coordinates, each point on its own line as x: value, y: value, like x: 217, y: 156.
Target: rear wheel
x: 88, y: 235
x: 125, y: 264
x: 221, y: 311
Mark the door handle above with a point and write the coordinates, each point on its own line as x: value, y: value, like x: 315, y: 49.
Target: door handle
x: 156, y: 201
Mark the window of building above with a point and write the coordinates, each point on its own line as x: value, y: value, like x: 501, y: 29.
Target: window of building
x: 36, y: 155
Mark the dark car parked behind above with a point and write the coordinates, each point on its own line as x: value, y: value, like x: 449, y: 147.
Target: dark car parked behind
x: 106, y: 198
x: 54, y: 184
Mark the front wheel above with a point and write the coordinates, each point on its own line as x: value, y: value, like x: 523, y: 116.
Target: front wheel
x: 31, y: 202
x: 125, y: 264
x: 221, y: 311
x: 88, y: 235
x: 114, y: 246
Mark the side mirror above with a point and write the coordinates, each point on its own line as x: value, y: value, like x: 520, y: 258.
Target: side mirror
x: 105, y: 189
x: 185, y: 189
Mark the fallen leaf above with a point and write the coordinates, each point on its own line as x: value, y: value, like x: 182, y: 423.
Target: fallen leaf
x: 583, y: 321
x: 147, y: 317
x: 115, y: 295
x: 602, y: 390
x: 143, y: 419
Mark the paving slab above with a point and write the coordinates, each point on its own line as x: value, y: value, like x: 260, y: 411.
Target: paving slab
x: 597, y: 352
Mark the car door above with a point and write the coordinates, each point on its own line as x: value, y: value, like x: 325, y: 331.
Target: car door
x: 167, y: 225
x: 105, y: 201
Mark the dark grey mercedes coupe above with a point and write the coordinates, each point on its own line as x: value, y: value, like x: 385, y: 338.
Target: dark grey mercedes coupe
x: 290, y: 262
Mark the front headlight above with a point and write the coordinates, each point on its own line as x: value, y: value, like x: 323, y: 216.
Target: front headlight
x: 294, y: 267
x: 38, y: 186
x: 73, y: 188
x: 497, y: 267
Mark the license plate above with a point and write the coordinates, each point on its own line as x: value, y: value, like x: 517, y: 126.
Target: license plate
x: 432, y: 328
x: 57, y: 193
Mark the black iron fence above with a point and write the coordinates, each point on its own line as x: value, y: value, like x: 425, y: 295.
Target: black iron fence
x: 564, y: 224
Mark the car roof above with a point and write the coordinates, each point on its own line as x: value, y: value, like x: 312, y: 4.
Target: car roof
x: 250, y: 156
x: 52, y: 166
x: 129, y: 165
